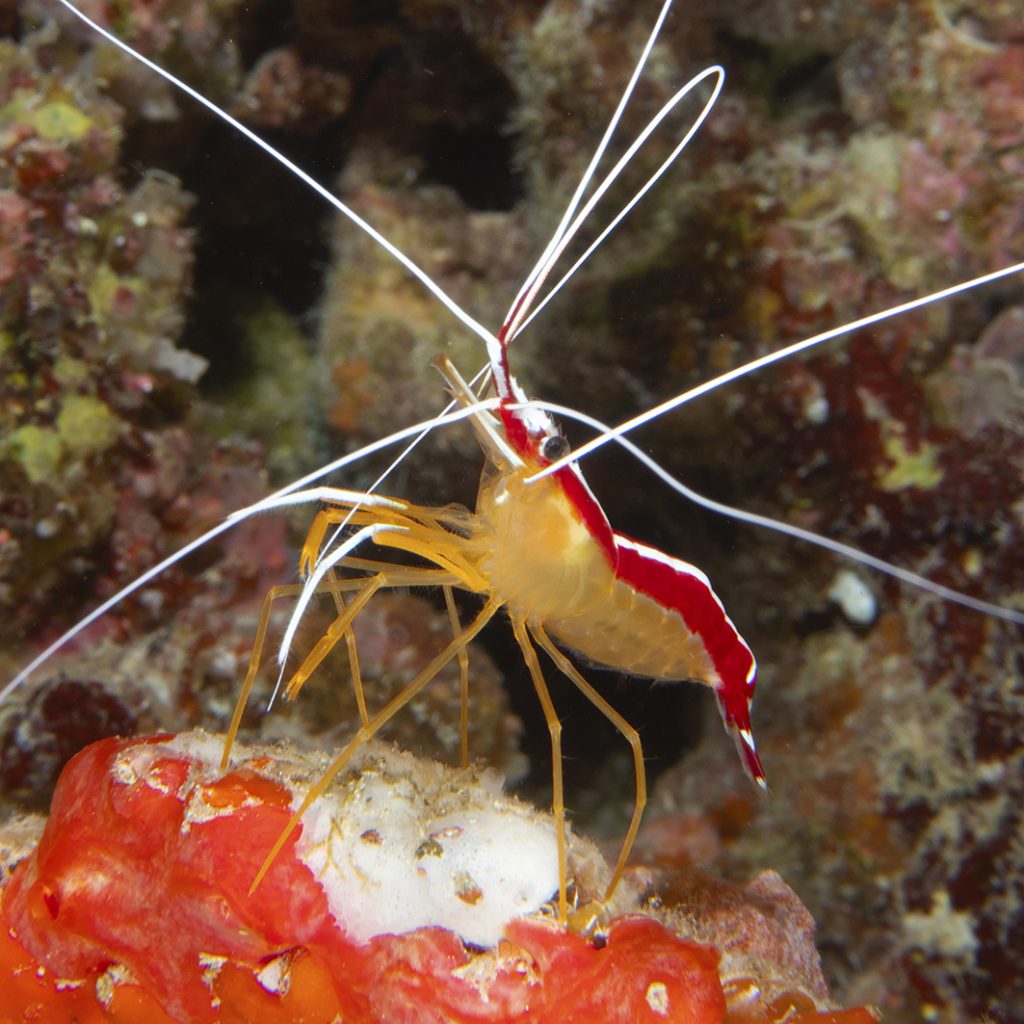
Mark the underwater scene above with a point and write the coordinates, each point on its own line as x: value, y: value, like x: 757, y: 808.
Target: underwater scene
x: 495, y: 785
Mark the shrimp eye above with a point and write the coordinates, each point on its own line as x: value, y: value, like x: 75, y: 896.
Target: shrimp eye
x: 554, y: 447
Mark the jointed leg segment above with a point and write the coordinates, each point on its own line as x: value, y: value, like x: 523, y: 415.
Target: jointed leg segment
x: 555, y: 729
x: 419, y: 531
x: 631, y: 736
x: 388, y: 578
x: 453, y: 616
x: 423, y: 532
x: 523, y: 633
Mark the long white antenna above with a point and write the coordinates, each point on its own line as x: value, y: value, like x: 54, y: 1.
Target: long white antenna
x: 715, y: 71
x: 418, y: 272
x: 778, y: 525
x: 754, y: 365
x: 543, y: 265
x: 568, y: 226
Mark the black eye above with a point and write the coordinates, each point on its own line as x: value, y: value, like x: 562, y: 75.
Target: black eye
x: 554, y: 447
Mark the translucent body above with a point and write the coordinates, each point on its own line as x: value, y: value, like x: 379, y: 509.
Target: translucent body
x: 535, y: 553
x: 548, y: 569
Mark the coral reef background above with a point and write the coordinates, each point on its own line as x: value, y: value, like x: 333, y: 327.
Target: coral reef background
x: 183, y: 325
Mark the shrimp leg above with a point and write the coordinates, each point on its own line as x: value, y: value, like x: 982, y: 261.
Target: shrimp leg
x: 453, y: 615
x: 334, y: 632
x: 353, y: 658
x: 631, y: 736
x: 422, y: 533
x: 555, y: 729
x: 353, y: 650
x: 397, y: 513
x: 368, y: 731
x: 397, y: 576
x: 256, y: 655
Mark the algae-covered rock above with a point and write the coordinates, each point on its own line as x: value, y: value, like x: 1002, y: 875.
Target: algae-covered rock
x: 93, y: 281
x: 857, y: 159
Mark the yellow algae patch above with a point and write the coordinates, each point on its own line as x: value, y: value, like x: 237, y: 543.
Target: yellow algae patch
x: 86, y: 425
x: 38, y: 450
x: 70, y: 372
x: 59, y: 121
x: 101, y: 291
x: 917, y: 468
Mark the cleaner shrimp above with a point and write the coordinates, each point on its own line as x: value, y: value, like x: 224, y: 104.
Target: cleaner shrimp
x: 372, y: 516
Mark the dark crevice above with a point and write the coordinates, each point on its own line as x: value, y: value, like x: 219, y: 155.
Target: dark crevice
x: 476, y: 161
x: 784, y: 74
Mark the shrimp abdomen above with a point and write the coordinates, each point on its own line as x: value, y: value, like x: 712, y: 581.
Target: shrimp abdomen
x: 663, y: 620
x: 633, y: 633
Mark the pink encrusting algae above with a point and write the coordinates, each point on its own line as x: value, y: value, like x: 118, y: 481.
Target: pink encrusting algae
x: 135, y: 905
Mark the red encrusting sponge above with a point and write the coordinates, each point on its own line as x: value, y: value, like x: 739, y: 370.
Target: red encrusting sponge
x: 135, y: 907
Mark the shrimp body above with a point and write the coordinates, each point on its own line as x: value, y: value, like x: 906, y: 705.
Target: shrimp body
x: 540, y: 559
x: 544, y: 552
x: 662, y: 620
x: 554, y: 560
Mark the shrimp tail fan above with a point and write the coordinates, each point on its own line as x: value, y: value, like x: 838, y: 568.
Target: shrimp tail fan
x: 734, y: 705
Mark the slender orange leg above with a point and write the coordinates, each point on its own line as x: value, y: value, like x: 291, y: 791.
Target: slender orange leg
x: 453, y: 615
x: 255, y: 657
x: 338, y: 515
x: 398, y: 576
x: 440, y: 548
x: 366, y: 732
x: 417, y: 519
x: 338, y: 628
x: 419, y: 531
x: 357, y: 675
x: 353, y: 652
x: 566, y: 667
x: 555, y: 729
x: 412, y: 519
x: 402, y: 575
x: 447, y: 560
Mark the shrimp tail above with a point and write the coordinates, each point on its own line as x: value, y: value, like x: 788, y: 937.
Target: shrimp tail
x: 734, y: 702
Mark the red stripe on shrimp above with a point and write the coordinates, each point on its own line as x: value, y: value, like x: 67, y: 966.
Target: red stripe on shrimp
x: 684, y: 589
